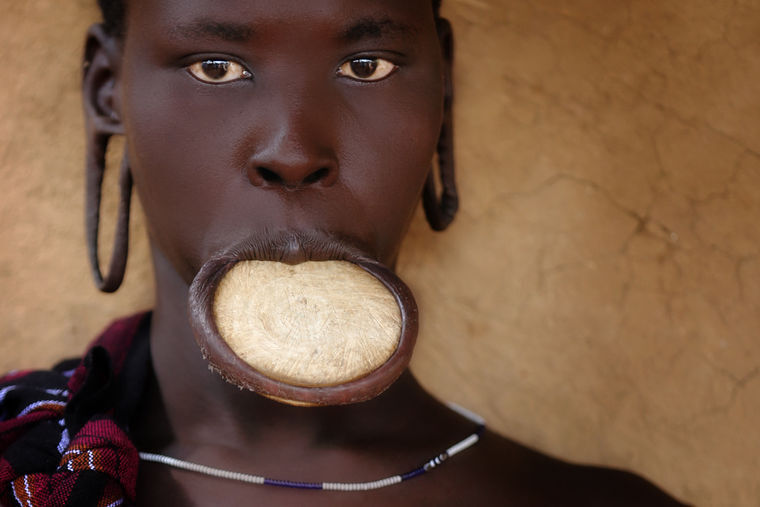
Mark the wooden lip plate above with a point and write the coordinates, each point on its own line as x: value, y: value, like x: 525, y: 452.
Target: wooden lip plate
x: 236, y: 371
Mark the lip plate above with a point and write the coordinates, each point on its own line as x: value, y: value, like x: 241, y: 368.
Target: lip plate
x: 236, y: 371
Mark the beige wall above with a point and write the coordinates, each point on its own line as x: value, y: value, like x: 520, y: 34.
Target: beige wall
x: 598, y: 296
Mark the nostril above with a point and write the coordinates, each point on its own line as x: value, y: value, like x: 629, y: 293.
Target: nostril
x: 316, y: 176
x: 269, y: 176
x: 290, y: 179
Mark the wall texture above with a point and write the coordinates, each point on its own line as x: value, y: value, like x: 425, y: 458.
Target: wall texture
x: 599, y: 295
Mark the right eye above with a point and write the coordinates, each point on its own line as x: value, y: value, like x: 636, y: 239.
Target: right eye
x: 218, y: 71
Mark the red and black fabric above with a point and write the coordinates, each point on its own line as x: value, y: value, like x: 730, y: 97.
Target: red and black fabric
x: 64, y: 433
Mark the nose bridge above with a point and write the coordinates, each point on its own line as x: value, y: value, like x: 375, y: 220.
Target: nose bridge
x: 294, y: 148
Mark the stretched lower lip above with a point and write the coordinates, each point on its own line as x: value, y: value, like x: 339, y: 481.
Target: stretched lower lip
x: 294, y: 248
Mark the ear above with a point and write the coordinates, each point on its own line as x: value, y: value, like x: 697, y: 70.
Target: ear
x: 100, y: 83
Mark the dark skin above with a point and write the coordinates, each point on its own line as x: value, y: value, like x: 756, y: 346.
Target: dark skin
x: 294, y: 142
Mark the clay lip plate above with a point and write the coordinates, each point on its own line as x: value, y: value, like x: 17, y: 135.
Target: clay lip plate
x: 293, y: 250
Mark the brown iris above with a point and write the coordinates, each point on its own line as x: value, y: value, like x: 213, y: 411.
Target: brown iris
x: 215, y: 69
x: 363, y: 68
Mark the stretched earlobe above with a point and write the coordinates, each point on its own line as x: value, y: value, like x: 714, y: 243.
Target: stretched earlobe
x: 440, y: 210
x: 96, y: 164
x: 102, y: 119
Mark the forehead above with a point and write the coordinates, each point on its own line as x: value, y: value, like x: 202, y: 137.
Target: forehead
x: 245, y: 18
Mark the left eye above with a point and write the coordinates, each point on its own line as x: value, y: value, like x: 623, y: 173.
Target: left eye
x: 218, y: 71
x: 367, y: 69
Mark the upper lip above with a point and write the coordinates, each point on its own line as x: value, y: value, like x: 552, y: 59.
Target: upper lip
x: 293, y: 247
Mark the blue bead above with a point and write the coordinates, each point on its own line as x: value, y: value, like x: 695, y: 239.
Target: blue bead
x: 293, y: 484
x: 414, y: 473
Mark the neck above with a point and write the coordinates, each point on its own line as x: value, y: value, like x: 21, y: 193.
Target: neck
x: 201, y: 409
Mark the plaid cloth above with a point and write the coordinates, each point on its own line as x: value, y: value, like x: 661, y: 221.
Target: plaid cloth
x: 64, y: 437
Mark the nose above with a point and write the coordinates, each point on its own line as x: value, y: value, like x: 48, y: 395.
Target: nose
x: 293, y: 152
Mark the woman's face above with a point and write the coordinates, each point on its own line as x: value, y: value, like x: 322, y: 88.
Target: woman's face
x: 311, y: 115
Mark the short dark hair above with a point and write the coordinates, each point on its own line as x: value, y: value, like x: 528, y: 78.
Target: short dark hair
x: 114, y: 15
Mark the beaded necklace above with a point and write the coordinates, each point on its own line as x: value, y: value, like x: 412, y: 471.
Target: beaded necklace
x: 331, y: 486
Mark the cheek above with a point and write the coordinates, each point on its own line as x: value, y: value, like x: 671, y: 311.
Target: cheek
x: 394, y: 146
x: 180, y: 170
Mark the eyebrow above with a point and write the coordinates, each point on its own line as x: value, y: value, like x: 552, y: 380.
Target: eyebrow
x: 364, y: 28
x: 374, y: 28
x: 205, y: 28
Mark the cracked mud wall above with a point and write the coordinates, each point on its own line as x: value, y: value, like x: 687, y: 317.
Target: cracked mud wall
x: 598, y: 297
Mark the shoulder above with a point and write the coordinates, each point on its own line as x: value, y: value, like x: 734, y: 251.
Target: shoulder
x: 48, y: 417
x: 30, y: 398
x: 32, y: 406
x: 23, y: 393
x: 499, y: 469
